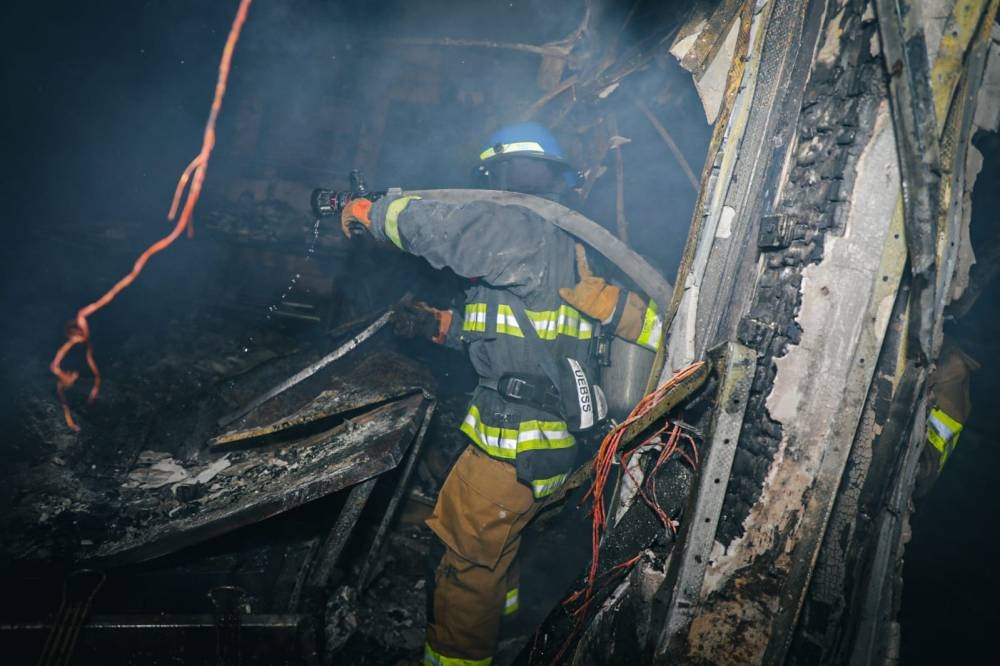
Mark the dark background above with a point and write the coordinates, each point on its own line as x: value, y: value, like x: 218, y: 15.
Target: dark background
x: 104, y: 105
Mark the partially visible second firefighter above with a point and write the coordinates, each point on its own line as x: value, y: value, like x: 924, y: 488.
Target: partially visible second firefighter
x: 950, y: 405
x: 533, y: 304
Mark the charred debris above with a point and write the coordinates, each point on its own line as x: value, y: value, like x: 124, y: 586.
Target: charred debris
x: 802, y: 171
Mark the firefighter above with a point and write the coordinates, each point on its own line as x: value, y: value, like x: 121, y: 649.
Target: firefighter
x: 948, y: 397
x: 526, y: 272
x: 950, y: 405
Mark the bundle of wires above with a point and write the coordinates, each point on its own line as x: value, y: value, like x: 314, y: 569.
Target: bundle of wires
x: 671, y: 441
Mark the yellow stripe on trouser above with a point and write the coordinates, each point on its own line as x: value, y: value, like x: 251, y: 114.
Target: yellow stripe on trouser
x: 942, y: 433
x: 511, y: 602
x: 392, y: 219
x: 434, y: 658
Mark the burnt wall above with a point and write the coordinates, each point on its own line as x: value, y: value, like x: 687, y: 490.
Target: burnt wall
x: 835, y: 123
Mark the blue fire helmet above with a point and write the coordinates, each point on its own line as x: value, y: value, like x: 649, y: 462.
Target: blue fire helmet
x: 527, y: 140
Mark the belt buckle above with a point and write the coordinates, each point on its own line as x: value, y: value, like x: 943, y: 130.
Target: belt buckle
x: 515, y: 388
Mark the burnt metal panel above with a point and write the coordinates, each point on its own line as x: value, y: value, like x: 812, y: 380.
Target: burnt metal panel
x: 876, y: 605
x: 793, y: 448
x: 323, y: 463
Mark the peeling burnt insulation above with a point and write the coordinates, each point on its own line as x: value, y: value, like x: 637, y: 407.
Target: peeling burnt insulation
x: 825, y: 628
x: 835, y: 122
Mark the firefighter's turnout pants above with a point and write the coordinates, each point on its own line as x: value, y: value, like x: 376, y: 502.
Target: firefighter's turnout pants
x: 480, y: 514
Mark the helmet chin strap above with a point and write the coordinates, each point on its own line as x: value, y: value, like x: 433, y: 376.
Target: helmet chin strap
x: 527, y: 176
x: 498, y: 177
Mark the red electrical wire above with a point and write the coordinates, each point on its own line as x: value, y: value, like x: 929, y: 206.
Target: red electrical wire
x: 603, y: 464
x: 79, y: 330
x: 610, y: 446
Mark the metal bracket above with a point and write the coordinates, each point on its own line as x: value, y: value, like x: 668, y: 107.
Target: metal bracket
x: 736, y: 365
x: 775, y: 232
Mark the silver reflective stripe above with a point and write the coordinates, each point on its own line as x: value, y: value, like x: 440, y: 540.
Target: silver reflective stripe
x: 510, y: 605
x: 941, y: 428
x: 545, y: 487
x: 496, y: 440
x: 507, y: 322
x: 535, y: 435
x: 474, y: 318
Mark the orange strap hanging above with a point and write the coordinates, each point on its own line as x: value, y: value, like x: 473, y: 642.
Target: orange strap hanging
x: 79, y: 330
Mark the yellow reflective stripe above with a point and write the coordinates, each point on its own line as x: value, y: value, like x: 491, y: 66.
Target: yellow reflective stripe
x: 497, y: 442
x: 510, y: 604
x: 652, y: 328
x: 545, y: 487
x: 475, y: 317
x: 517, y: 146
x: 392, y: 219
x: 550, y: 324
x: 942, y: 433
x: 531, y: 439
x: 507, y: 322
x: 434, y: 658
x: 507, y: 443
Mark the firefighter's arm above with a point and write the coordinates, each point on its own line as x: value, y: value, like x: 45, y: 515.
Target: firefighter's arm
x: 629, y: 315
x: 504, y: 246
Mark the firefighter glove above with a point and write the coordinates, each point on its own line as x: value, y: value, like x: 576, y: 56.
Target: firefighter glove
x: 419, y: 320
x: 354, y: 215
x: 592, y: 295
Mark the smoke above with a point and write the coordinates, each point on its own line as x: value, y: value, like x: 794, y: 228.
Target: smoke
x: 107, y: 101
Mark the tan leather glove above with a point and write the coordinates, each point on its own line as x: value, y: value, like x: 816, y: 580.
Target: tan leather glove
x: 355, y: 214
x: 592, y: 295
x: 597, y: 299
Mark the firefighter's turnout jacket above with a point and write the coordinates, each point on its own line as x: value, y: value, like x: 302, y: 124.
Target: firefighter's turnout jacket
x: 518, y: 260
